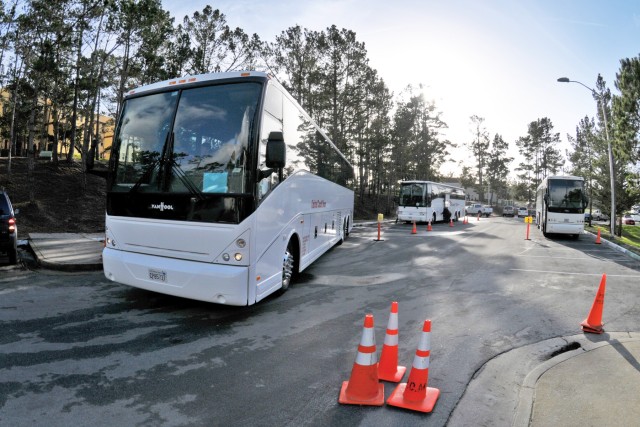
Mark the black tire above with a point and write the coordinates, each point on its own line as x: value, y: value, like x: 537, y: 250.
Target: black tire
x: 345, y: 231
x: 13, y: 256
x: 288, y: 264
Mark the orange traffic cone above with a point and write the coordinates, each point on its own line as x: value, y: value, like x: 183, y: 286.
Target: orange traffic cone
x: 429, y: 228
x: 414, y: 394
x: 598, y: 237
x: 388, y: 368
x: 414, y: 230
x: 363, y: 387
x: 464, y: 221
x: 593, y: 323
x: 451, y: 222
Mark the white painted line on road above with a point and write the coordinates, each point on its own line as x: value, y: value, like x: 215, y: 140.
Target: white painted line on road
x: 573, y: 274
x: 562, y: 257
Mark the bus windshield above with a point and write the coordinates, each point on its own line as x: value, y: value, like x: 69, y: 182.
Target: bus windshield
x: 412, y: 194
x: 193, y: 141
x: 566, y: 195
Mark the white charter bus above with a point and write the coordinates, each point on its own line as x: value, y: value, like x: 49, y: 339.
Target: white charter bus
x: 560, y: 204
x: 424, y: 201
x: 221, y: 188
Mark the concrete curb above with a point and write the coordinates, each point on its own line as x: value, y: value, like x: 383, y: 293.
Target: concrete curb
x: 614, y: 246
x: 526, y: 397
x: 67, y: 251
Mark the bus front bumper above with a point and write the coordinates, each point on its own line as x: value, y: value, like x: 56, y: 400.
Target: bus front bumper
x: 222, y: 284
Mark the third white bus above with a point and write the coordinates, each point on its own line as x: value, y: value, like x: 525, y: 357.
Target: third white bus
x: 560, y: 204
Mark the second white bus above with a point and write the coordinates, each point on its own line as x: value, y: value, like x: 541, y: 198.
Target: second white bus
x: 424, y: 201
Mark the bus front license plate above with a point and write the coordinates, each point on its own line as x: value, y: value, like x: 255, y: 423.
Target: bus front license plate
x: 157, y: 275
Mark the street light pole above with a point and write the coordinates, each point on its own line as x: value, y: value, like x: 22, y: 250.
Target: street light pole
x: 606, y: 133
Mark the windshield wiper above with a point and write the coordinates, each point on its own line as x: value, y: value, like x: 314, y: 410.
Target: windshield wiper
x: 193, y: 189
x: 152, y: 166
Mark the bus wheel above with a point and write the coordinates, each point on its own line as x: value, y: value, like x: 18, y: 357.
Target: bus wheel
x: 345, y: 232
x: 287, y: 269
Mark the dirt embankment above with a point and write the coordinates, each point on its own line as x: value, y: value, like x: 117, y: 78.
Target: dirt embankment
x: 54, y: 198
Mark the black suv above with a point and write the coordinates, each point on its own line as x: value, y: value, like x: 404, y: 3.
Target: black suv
x: 8, y: 228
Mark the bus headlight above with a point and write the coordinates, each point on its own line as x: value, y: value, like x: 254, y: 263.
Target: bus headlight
x: 241, y: 243
x: 238, y: 257
x: 226, y: 257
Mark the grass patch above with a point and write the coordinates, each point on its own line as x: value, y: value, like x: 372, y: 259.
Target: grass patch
x: 630, y: 235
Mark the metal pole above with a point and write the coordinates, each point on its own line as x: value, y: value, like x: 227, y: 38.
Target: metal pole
x: 606, y: 132
x: 613, y: 184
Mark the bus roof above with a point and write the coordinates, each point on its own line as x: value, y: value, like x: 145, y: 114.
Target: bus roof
x: 195, y: 79
x: 417, y: 181
x: 570, y: 177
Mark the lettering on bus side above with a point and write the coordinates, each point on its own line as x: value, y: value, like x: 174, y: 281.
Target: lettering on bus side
x: 315, y: 204
x: 161, y: 207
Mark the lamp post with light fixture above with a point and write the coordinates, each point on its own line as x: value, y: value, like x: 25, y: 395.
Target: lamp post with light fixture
x: 606, y: 133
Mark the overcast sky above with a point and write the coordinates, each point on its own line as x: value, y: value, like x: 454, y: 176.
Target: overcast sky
x: 498, y: 59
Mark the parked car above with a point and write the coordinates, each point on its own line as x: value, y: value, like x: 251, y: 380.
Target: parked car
x: 597, y: 215
x: 508, y: 211
x: 634, y: 217
x: 627, y: 219
x: 523, y: 212
x: 8, y: 228
x: 477, y: 208
x: 587, y: 217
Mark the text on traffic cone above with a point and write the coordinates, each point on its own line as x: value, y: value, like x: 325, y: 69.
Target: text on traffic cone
x: 363, y: 387
x: 388, y: 368
x: 593, y: 323
x: 415, y: 393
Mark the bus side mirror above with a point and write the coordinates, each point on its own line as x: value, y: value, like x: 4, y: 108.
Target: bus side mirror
x: 546, y: 199
x: 276, y: 151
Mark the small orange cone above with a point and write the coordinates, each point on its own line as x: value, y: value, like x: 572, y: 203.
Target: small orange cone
x: 465, y: 221
x: 414, y: 394
x: 363, y: 387
x: 598, y: 238
x: 414, y: 230
x: 429, y: 226
x: 451, y: 222
x: 478, y: 216
x: 388, y: 368
x: 593, y: 323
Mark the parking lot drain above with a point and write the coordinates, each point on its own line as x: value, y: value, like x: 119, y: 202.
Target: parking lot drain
x: 565, y: 348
